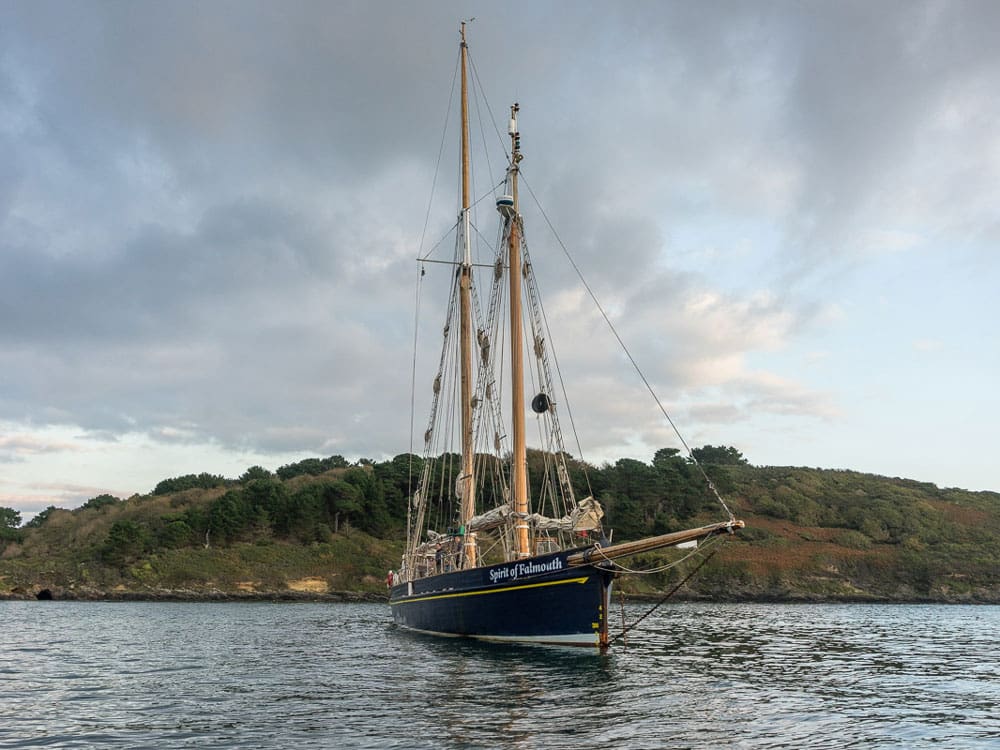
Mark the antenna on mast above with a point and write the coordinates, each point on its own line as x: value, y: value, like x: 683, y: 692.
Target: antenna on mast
x: 462, y: 31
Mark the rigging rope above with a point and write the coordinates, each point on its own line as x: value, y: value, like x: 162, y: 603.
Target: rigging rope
x: 413, y: 394
x: 493, y: 119
x: 674, y: 590
x: 420, y: 250
x: 635, y: 365
x: 562, y: 383
x: 618, y: 566
x: 480, y: 93
x: 437, y: 168
x: 439, y: 435
x: 454, y: 227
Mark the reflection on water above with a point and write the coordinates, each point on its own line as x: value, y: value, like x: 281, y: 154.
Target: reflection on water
x: 528, y: 695
x: 327, y: 675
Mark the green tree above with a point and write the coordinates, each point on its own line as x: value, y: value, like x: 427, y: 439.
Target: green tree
x: 302, y: 513
x: 255, y: 472
x: 634, y: 493
x: 711, y: 454
x: 399, y: 479
x: 9, y: 518
x: 126, y: 541
x: 342, y: 500
x: 312, y: 466
x: 100, y: 501
x: 175, y: 534
x: 202, y: 481
x: 40, y: 518
x: 265, y: 493
x: 683, y: 487
x: 228, y: 516
x: 374, y: 517
x: 666, y: 457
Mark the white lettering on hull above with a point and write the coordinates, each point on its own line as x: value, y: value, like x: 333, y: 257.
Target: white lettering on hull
x: 514, y: 571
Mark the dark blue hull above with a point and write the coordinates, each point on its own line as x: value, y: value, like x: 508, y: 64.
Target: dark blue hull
x: 540, y: 600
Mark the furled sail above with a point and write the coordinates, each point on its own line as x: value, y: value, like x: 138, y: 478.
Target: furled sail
x: 586, y: 516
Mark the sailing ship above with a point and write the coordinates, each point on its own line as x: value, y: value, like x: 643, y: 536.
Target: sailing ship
x: 502, y: 568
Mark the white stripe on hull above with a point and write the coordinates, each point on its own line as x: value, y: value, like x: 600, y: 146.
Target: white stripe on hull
x: 572, y: 639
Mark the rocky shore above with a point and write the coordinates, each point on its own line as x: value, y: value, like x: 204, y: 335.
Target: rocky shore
x: 215, y: 595
x: 187, y: 595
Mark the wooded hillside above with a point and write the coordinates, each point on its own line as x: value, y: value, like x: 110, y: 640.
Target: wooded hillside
x: 324, y: 525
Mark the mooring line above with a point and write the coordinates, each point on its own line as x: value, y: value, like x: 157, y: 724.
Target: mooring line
x: 634, y: 625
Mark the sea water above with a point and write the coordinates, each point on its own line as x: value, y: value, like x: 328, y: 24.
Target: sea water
x: 260, y: 675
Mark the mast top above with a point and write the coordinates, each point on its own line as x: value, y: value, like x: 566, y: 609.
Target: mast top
x: 515, y: 135
x: 462, y: 29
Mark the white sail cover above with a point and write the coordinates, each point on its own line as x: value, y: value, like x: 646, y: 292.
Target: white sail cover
x: 586, y: 516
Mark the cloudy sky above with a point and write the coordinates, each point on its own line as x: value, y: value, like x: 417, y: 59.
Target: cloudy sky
x: 209, y: 215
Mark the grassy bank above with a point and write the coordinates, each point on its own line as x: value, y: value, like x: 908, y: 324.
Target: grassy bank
x: 812, y: 535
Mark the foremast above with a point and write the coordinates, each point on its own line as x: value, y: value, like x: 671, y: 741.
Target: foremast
x: 467, y: 479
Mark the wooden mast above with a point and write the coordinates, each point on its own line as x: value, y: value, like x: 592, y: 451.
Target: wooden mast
x: 465, y: 329
x: 519, y: 468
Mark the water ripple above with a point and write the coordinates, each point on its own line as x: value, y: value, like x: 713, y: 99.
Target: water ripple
x: 172, y: 675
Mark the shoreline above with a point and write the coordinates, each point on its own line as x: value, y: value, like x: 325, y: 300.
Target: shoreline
x: 191, y: 597
x: 195, y: 597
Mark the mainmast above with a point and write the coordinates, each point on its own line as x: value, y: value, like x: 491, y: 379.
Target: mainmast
x: 467, y: 482
x: 519, y: 468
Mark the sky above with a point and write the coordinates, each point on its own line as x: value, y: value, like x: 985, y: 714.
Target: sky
x: 210, y: 215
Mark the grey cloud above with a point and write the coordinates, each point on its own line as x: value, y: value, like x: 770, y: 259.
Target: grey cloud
x: 61, y: 495
x: 209, y: 211
x: 15, y: 448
